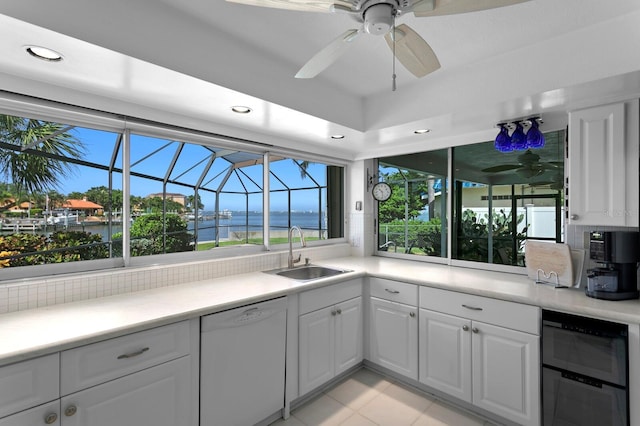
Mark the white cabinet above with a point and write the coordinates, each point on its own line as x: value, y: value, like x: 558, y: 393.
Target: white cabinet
x: 445, y: 353
x: 142, y: 379
x: 393, y: 326
x: 317, y: 350
x: 482, y: 351
x: 45, y: 414
x: 330, y: 338
x: 28, y: 384
x: 506, y: 365
x: 159, y: 395
x: 348, y: 337
x: 393, y: 339
x: 602, y: 165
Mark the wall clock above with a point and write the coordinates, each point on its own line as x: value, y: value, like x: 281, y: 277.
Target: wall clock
x: 381, y: 191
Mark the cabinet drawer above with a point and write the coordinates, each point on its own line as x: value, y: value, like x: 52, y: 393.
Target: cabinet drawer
x: 29, y: 383
x: 99, y: 362
x: 319, y: 298
x: 394, y: 290
x: 492, y: 311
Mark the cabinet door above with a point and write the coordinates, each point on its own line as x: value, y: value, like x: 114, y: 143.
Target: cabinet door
x: 348, y: 334
x: 316, y: 339
x: 29, y: 383
x: 597, y: 176
x: 445, y: 353
x: 394, y: 337
x: 46, y: 414
x: 506, y: 372
x: 157, y: 396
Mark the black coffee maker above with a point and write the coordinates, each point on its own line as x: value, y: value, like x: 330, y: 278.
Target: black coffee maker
x: 617, y: 254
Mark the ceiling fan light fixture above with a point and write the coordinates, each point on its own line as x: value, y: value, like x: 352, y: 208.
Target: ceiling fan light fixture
x: 518, y: 138
x: 535, y: 138
x: 503, y: 141
x: 337, y: 137
x: 421, y: 131
x: 378, y: 19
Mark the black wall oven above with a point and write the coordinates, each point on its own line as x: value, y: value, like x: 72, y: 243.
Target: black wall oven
x: 584, y: 371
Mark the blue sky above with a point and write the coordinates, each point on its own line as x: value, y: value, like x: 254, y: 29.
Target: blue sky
x: 152, y: 156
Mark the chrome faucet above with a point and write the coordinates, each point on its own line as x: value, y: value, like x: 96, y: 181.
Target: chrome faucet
x: 291, y: 261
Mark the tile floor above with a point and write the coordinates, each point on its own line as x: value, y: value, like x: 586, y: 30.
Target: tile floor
x: 366, y: 398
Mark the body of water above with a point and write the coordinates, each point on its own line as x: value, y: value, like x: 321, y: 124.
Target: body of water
x: 242, y: 222
x: 239, y: 223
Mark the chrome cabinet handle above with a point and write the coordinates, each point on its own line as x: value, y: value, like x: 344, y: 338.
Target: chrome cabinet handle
x: 133, y: 354
x: 339, y: 311
x: 465, y: 327
x: 412, y: 314
x: 333, y: 313
x: 50, y: 418
x: 391, y: 291
x: 475, y: 330
x: 70, y: 410
x: 473, y: 308
x: 574, y: 217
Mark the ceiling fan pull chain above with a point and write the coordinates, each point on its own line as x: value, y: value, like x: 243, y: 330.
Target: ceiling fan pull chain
x: 393, y: 82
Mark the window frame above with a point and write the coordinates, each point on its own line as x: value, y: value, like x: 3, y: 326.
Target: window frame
x: 448, y: 260
x: 24, y: 106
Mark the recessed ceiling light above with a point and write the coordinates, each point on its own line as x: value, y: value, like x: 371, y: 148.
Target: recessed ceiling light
x: 337, y: 136
x: 421, y: 131
x: 44, y: 53
x: 241, y: 109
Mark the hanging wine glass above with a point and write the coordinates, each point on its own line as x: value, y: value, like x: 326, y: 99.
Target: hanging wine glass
x: 503, y: 141
x: 518, y: 138
x: 535, y: 138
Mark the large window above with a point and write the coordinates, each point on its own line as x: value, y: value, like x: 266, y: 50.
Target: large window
x: 414, y: 220
x: 299, y: 197
x: 499, y: 200
x: 63, y: 194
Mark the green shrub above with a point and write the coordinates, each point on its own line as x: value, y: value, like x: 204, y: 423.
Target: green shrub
x: 70, y: 243
x: 147, y: 235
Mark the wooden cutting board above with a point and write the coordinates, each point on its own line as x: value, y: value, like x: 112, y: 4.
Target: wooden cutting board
x: 550, y: 258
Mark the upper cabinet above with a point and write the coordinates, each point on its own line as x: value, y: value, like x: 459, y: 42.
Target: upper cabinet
x: 602, y: 165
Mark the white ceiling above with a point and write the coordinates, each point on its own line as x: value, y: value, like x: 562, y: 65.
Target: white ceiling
x: 186, y: 62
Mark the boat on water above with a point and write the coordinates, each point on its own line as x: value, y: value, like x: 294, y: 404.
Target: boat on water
x: 63, y: 220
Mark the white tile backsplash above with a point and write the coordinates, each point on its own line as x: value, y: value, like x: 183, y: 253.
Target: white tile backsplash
x: 69, y: 288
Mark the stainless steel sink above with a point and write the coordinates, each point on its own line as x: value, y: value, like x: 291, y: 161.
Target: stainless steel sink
x: 308, y: 272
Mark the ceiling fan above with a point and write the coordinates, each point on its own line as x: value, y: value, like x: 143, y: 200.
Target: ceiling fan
x: 555, y: 183
x: 529, y: 166
x: 377, y: 17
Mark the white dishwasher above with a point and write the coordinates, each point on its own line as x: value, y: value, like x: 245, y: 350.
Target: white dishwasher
x: 242, y: 360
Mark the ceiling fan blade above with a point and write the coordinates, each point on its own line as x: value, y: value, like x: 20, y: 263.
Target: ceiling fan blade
x: 412, y: 51
x: 501, y: 168
x: 328, y: 55
x: 451, y: 7
x: 301, y: 5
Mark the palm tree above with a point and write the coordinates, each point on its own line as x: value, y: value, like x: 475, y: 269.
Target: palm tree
x: 33, y: 152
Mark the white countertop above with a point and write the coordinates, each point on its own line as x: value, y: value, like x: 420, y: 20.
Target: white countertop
x: 35, y: 332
